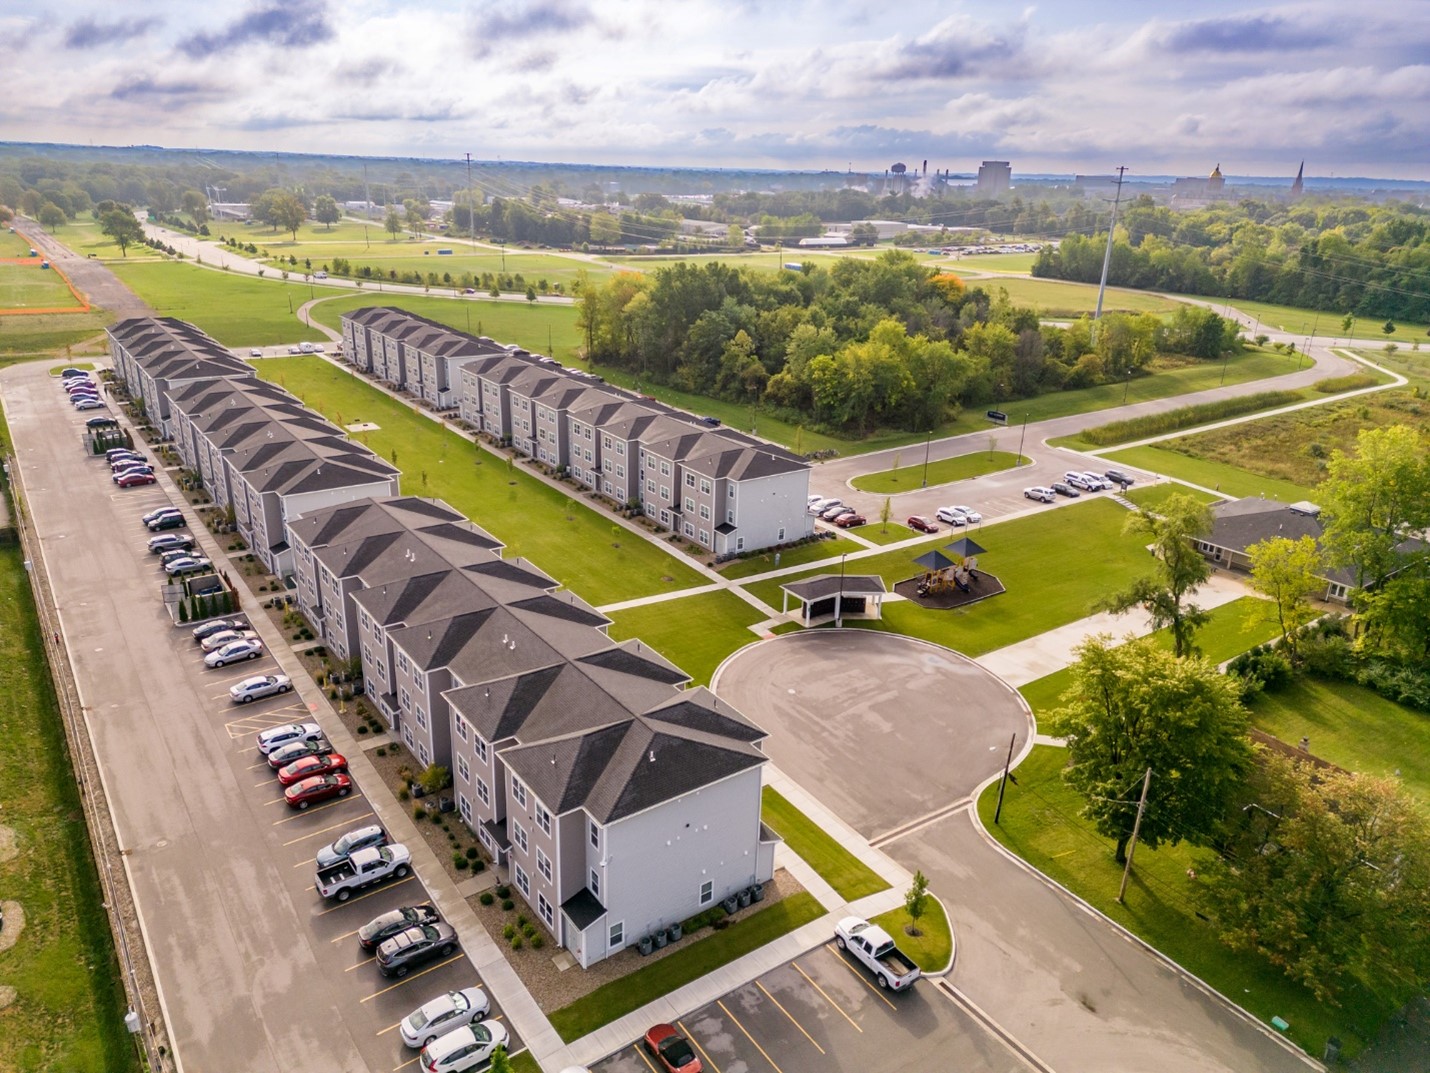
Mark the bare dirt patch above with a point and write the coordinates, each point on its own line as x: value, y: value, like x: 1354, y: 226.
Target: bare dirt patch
x: 14, y: 924
x: 9, y: 845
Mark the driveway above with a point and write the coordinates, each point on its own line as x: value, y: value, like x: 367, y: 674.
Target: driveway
x: 883, y: 729
x: 893, y: 735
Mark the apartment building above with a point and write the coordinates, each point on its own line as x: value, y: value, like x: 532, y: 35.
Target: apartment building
x: 156, y: 355
x: 412, y: 352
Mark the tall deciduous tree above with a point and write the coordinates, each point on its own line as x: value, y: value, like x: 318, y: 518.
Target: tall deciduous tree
x: 1286, y: 571
x: 196, y: 205
x: 393, y: 223
x: 51, y: 216
x: 1134, y: 707
x: 1372, y: 500
x: 123, y: 229
x: 1180, y: 570
x: 1328, y: 876
x: 289, y: 212
x: 605, y: 229
x: 326, y: 211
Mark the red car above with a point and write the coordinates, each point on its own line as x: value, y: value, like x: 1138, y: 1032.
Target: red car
x: 923, y: 525
x: 307, y: 766
x: 129, y: 480
x: 672, y: 1050
x: 849, y: 521
x: 318, y: 788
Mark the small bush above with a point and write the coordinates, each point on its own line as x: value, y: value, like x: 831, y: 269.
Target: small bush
x: 419, y: 813
x: 537, y: 942
x: 528, y: 930
x: 459, y: 862
x: 362, y: 729
x: 503, y: 891
x: 381, y: 750
x: 508, y: 932
x: 478, y: 865
x: 486, y: 897
x: 402, y: 795
x: 522, y: 921
x: 508, y: 905
x: 471, y: 853
x: 1263, y: 668
x: 516, y: 942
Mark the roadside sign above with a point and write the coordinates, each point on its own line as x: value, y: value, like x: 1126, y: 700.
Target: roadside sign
x: 998, y: 417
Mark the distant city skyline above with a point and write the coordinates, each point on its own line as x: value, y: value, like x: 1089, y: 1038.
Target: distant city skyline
x: 1079, y: 86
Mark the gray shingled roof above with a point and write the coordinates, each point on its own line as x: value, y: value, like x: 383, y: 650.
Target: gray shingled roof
x: 823, y: 585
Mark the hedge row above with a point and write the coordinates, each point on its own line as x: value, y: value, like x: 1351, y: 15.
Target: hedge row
x: 1139, y: 428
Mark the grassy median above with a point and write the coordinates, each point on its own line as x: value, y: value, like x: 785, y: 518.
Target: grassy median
x: 851, y: 878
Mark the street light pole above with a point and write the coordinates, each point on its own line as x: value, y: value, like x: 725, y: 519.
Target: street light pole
x: 927, y: 441
x: 1125, y: 387
x: 1019, y: 460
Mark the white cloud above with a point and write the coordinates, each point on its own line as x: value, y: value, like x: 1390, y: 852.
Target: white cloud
x: 1159, y: 86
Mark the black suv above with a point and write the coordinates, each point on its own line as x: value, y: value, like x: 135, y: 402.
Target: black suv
x: 407, y: 949
x: 379, y: 929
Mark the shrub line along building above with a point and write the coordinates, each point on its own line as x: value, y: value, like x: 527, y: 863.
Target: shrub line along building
x: 621, y: 800
x: 722, y: 489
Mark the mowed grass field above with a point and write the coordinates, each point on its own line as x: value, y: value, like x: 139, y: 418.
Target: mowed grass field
x: 1055, y: 298
x: 1220, y: 476
x: 542, y: 327
x: 1054, y: 564
x: 14, y: 244
x: 939, y: 471
x: 695, y: 633
x: 28, y: 286
x: 68, y: 1012
x: 237, y: 310
x: 582, y: 548
x: 1327, y: 326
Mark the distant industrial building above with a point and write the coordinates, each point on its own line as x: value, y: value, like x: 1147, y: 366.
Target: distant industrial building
x: 995, y: 178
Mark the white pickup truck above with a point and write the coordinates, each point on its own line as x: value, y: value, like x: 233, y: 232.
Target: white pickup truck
x: 873, y: 946
x: 364, y: 868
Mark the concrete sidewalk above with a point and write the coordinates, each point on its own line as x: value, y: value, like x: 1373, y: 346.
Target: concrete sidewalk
x: 1026, y: 661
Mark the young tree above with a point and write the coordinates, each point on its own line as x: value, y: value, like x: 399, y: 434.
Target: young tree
x: 500, y: 1063
x: 289, y: 212
x: 1180, y: 570
x: 123, y: 229
x: 326, y: 211
x: 393, y: 223
x: 416, y: 212
x: 886, y: 512
x: 1328, y: 876
x: 1134, y: 707
x: 1374, y: 499
x: 196, y: 205
x: 1286, y: 571
x: 916, y: 900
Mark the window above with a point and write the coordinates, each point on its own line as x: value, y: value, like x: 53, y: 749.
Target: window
x: 607, y: 465
x: 518, y: 835
x: 689, y: 505
x: 595, y: 883
x: 461, y: 728
x: 739, y: 543
x: 544, y: 908
x: 665, y: 493
x: 620, y: 448
x: 462, y: 769
x: 523, y: 881
x: 480, y: 744
x: 665, y: 517
x: 402, y: 664
x: 650, y: 487
x: 704, y: 487
x: 704, y: 512
x: 690, y: 480
x: 543, y: 865
x: 543, y: 818
x: 422, y: 753
x: 730, y: 516
x: 606, y: 442
x: 405, y: 700
x: 779, y: 537
x: 518, y: 791
x: 704, y: 536
x: 618, y: 934
x: 595, y: 835
x: 421, y: 717
x: 649, y: 462
x: 689, y: 529
x: 588, y: 454
x: 621, y: 472
x: 665, y: 469
x: 464, y: 806
x: 707, y: 892
x: 483, y: 794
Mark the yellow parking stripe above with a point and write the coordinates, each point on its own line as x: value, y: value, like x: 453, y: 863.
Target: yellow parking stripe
x: 786, y: 1012
x: 300, y: 813
x: 360, y: 964
x: 639, y: 1048
x: 408, y: 979
x: 319, y: 831
x: 859, y: 975
x: 827, y: 998
x: 749, y: 1037
x: 696, y: 1043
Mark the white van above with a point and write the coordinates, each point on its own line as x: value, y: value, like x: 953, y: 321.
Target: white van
x: 307, y: 348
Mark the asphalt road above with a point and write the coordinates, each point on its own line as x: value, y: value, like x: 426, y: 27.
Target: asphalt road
x: 822, y: 1013
x: 91, y: 278
x: 884, y: 737
x: 255, y: 971
x: 883, y: 729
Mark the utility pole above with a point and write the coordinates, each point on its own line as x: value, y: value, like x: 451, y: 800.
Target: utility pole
x: 1136, y: 827
x: 1019, y: 460
x: 998, y: 810
x: 928, y: 440
x: 1107, y: 254
x: 471, y: 203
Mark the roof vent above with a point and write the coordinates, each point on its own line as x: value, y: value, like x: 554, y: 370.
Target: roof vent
x: 652, y: 756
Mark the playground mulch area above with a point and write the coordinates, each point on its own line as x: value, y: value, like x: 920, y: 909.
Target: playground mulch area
x: 980, y: 587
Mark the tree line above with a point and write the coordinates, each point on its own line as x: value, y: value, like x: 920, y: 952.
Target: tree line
x: 865, y: 343
x: 1338, y: 257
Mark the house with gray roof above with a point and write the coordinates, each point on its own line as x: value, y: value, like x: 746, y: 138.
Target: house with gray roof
x: 154, y: 355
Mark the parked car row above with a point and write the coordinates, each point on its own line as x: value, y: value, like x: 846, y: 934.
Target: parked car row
x: 958, y: 516
x: 82, y: 390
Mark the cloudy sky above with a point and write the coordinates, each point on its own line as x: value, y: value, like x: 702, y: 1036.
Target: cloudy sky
x: 1068, y: 85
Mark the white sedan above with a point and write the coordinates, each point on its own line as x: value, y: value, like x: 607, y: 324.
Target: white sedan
x: 464, y: 1049
x: 233, y: 652
x: 223, y: 637
x: 263, y: 685
x: 951, y: 515
x: 273, y: 737
x: 187, y: 564
x: 445, y: 1013
x: 968, y: 512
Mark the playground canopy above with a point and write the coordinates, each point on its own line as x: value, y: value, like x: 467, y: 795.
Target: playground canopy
x: 934, y: 560
x: 964, y: 547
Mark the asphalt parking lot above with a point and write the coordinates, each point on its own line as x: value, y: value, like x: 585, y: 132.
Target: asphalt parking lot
x: 822, y: 1012
x: 256, y: 971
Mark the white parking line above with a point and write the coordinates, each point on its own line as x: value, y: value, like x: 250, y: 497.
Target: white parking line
x: 319, y: 831
x: 298, y: 815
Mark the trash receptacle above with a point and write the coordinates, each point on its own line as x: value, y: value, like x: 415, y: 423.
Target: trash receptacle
x: 1333, y: 1050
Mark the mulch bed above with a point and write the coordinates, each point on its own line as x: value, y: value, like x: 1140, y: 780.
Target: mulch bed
x: 980, y: 588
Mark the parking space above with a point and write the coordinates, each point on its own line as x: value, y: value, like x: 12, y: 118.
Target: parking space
x: 257, y: 971
x: 821, y: 1012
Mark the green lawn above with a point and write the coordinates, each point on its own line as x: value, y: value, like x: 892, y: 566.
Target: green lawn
x: 1043, y: 561
x: 939, y: 471
x: 695, y: 633
x: 14, y: 244
x: 818, y: 551
x: 570, y: 541
x: 1234, y: 628
x: 70, y: 1004
x: 1020, y: 263
x: 1153, y: 496
x: 1041, y: 823
x: 542, y: 327
x: 876, y: 532
x: 933, y: 946
x: 750, y: 931
x: 1300, y: 322
x: 1351, y: 726
x: 52, y: 334
x: 1219, y: 476
x: 237, y: 310
x: 28, y: 286
x: 1055, y: 298
x: 851, y: 878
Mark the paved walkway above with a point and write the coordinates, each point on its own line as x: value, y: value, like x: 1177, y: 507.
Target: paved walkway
x: 1026, y: 661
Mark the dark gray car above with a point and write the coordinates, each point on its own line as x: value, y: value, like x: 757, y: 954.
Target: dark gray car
x: 350, y: 843
x: 415, y: 946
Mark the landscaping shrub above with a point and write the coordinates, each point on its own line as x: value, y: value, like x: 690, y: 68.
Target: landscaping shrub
x: 1327, y: 655
x: 1334, y: 385
x: 486, y: 897
x: 459, y: 862
x: 537, y: 942
x: 381, y: 750
x: 471, y: 853
x: 362, y: 729
x: 1398, y: 682
x: 508, y: 905
x: 503, y: 891
x: 529, y: 930
x: 419, y: 813
x: 402, y: 795
x: 508, y: 932
x: 522, y: 921
x: 516, y: 942
x: 1263, y: 668
x: 479, y: 865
